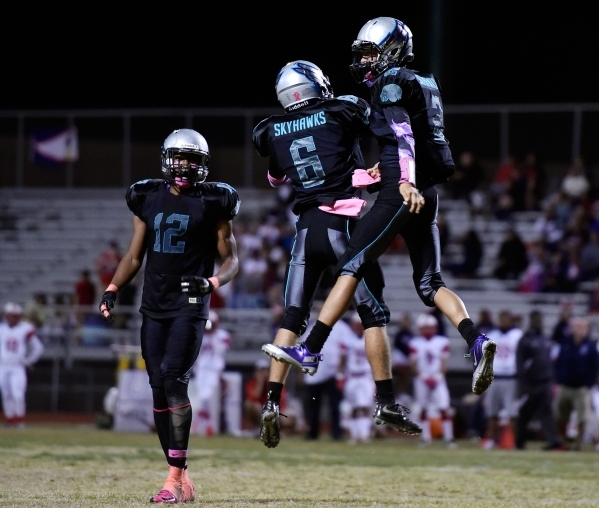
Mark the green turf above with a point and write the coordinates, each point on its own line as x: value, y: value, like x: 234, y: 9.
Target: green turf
x: 52, y: 466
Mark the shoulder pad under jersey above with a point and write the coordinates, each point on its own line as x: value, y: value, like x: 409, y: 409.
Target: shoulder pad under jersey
x: 222, y: 199
x: 137, y: 194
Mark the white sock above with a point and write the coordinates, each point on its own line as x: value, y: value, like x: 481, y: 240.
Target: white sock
x: 354, y: 428
x: 448, y: 430
x: 426, y: 431
x: 365, y: 425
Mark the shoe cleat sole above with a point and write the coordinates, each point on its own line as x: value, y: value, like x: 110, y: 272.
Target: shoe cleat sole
x: 483, y: 374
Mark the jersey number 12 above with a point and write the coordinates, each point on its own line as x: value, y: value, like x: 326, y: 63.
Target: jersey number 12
x: 168, y: 246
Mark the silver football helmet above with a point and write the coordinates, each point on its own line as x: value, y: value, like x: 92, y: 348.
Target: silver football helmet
x: 189, y: 145
x: 300, y: 83
x: 390, y: 39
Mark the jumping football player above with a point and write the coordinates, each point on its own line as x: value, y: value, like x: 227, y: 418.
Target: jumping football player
x: 182, y: 224
x: 407, y: 120
x: 315, y: 148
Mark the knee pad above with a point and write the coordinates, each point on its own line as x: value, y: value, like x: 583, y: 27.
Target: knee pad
x: 427, y: 286
x: 295, y: 320
x: 176, y: 393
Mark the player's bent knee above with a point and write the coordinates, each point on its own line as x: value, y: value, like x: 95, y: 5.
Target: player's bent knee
x: 427, y: 288
x: 373, y: 318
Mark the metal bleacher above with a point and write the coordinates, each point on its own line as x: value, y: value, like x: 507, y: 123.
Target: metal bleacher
x: 53, y: 235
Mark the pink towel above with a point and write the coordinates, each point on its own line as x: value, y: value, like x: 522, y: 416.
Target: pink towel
x: 348, y: 207
x: 361, y: 179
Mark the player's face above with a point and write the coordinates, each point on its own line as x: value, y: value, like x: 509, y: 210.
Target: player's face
x: 183, y: 163
x: 369, y: 55
x: 12, y: 319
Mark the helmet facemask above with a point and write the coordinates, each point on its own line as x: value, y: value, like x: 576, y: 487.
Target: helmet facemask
x: 184, y: 174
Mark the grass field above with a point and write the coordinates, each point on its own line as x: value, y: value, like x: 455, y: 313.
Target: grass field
x: 76, y: 465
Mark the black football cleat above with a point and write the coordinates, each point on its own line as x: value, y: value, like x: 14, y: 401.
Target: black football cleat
x: 394, y: 415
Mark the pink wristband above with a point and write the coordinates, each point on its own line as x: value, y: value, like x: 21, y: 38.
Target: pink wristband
x: 112, y: 287
x: 215, y: 282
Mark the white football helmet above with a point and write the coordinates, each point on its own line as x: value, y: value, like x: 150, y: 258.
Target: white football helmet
x: 300, y: 83
x: 392, y: 41
x: 189, y: 145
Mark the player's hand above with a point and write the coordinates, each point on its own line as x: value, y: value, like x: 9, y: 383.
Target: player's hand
x: 411, y: 197
x: 195, y: 285
x: 106, y: 304
x: 374, y: 171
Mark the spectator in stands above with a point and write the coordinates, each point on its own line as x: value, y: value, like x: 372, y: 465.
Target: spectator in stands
x: 535, y: 376
x: 576, y: 184
x: 20, y: 347
x: 85, y: 290
x: 576, y: 371
x: 468, y: 174
x: 589, y: 257
x: 107, y: 263
x: 536, y: 175
x: 594, y: 299
x: 501, y: 188
x: 36, y: 310
x: 533, y: 278
x: 501, y: 397
x: 512, y: 258
x: 473, y: 253
x: 549, y: 228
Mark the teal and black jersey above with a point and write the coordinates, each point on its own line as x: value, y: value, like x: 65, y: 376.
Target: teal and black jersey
x: 316, y: 148
x: 180, y: 240
x: 407, y: 119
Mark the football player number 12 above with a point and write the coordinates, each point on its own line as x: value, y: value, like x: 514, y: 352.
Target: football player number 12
x: 168, y: 245
x: 302, y: 165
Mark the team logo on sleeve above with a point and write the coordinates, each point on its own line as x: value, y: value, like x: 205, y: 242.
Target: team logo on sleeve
x: 391, y: 93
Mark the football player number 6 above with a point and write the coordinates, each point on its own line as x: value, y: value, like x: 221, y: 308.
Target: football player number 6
x: 303, y: 164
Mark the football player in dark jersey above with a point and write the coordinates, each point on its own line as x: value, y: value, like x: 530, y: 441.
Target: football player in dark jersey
x: 315, y: 148
x: 182, y: 224
x: 407, y: 120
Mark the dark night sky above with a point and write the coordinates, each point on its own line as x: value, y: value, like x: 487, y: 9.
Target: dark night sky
x: 499, y: 52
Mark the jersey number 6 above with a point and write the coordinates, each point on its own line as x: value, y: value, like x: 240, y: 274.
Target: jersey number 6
x: 302, y: 164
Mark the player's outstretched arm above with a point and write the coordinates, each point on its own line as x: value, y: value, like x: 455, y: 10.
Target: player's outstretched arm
x: 128, y: 267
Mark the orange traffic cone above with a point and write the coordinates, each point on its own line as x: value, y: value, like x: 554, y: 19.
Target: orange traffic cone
x: 506, y: 438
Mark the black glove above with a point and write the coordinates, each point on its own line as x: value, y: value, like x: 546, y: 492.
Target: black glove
x: 106, y: 304
x: 195, y: 285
